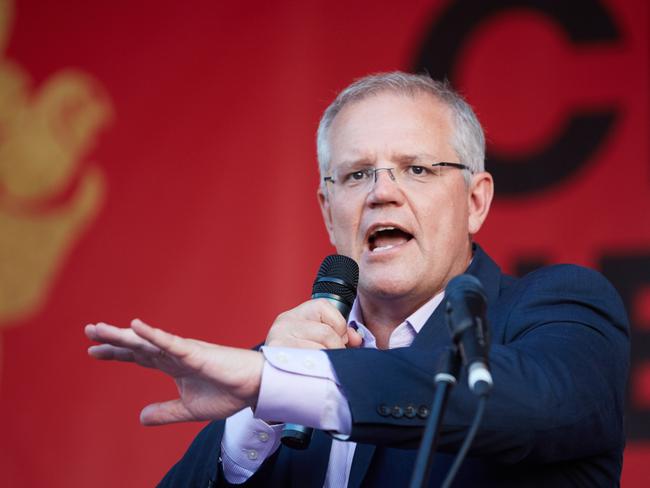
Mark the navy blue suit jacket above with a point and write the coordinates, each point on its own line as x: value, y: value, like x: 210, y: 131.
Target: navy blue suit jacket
x: 559, y: 357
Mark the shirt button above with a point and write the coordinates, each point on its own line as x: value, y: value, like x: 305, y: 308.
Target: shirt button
x: 252, y: 454
x: 263, y: 436
x: 282, y: 358
x: 309, y: 364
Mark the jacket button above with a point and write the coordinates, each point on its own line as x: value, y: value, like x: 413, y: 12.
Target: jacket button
x: 397, y: 411
x: 409, y: 411
x: 423, y: 411
x: 383, y: 410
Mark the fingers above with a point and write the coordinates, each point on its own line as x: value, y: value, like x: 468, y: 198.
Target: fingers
x: 322, y: 334
x: 330, y: 315
x: 170, y: 343
x: 109, y: 352
x: 166, y: 413
x: 304, y: 333
x: 118, y: 337
x: 315, y: 323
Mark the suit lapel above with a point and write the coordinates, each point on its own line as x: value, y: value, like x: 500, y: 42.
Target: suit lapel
x: 435, y: 330
x: 488, y: 273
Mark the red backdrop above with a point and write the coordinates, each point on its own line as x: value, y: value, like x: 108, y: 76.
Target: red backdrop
x: 157, y: 161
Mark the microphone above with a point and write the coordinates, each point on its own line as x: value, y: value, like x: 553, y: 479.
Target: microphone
x: 336, y: 281
x: 466, y: 317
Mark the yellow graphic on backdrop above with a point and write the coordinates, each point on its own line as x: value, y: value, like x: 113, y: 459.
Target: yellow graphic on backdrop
x: 46, y: 196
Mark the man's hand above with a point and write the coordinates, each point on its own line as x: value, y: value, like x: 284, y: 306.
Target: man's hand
x: 213, y: 381
x: 314, y: 324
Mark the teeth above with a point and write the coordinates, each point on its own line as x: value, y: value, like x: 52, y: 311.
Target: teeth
x: 382, y: 248
x: 379, y: 229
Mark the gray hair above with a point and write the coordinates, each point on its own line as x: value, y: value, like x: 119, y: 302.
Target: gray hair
x: 467, y: 140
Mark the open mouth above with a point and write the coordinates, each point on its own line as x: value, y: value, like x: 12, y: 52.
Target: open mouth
x: 385, y: 238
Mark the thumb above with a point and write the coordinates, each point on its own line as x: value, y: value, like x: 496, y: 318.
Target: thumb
x: 354, y: 338
x: 165, y: 413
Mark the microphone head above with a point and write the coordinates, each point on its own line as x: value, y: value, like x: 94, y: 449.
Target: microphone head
x: 465, y: 300
x: 464, y: 285
x: 338, y: 275
x: 466, y: 311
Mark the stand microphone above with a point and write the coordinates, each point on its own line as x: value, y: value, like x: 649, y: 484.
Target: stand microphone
x: 336, y: 282
x: 466, y: 317
x: 466, y: 306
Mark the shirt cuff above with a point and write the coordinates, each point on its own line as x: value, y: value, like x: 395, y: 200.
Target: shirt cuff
x: 247, y: 442
x: 299, y: 386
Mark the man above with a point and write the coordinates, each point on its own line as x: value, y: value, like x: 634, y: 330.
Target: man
x: 403, y: 192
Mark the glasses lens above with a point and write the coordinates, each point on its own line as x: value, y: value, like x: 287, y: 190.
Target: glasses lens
x: 414, y: 177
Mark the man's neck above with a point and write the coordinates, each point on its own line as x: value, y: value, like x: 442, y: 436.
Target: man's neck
x: 383, y: 316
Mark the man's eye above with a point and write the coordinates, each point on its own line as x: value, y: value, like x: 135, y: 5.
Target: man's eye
x: 355, y: 176
x: 418, y: 171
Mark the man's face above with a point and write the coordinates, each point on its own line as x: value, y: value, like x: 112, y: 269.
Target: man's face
x: 407, y: 243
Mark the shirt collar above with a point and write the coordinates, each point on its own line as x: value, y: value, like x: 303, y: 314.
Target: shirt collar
x: 416, y: 320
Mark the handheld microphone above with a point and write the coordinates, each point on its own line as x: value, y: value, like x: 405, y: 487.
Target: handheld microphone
x: 466, y: 317
x: 336, y: 281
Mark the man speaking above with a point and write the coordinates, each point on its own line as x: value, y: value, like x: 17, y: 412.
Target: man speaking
x: 403, y: 191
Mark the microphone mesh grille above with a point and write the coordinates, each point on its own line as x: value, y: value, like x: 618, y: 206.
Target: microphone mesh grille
x: 342, y: 268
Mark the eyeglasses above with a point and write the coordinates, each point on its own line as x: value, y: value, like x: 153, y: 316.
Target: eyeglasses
x: 414, y: 177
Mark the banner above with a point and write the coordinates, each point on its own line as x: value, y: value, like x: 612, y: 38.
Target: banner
x: 157, y: 160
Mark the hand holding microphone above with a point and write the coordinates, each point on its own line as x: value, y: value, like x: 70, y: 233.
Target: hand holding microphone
x: 316, y: 324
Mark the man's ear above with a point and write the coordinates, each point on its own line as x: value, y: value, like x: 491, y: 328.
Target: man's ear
x: 324, y: 203
x: 479, y: 196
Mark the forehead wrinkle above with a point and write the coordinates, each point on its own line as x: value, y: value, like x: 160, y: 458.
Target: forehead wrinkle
x: 425, y: 137
x: 398, y: 158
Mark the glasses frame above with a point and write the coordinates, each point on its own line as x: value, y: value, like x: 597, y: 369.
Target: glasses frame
x: 446, y: 164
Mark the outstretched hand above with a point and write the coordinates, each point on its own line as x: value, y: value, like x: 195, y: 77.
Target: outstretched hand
x: 213, y: 381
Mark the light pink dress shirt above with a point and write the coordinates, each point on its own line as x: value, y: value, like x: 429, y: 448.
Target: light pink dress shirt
x: 300, y: 386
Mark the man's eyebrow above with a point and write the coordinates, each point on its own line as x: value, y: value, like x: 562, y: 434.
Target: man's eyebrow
x: 357, y: 163
x: 413, y: 158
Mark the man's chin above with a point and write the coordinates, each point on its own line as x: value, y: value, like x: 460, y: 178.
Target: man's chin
x: 387, y: 286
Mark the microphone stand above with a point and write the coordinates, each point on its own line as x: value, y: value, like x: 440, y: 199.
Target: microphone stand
x: 445, y: 379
